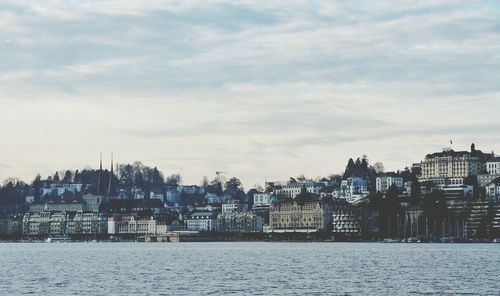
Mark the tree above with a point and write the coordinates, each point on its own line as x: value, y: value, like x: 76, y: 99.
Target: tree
x: 204, y: 182
x: 158, y: 178
x: 68, y: 176
x: 76, y: 177
x: 301, y: 178
x: 174, y: 180
x: 234, y: 188
x: 378, y: 167
x: 37, y: 186
x: 233, y: 185
x: 56, y: 177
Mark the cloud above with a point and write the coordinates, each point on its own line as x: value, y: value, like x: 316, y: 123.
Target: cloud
x: 278, y: 86
x: 5, y: 166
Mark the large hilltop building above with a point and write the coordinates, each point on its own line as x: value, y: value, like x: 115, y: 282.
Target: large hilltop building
x: 451, y: 167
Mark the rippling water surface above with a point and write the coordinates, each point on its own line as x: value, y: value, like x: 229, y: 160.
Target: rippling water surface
x: 256, y: 268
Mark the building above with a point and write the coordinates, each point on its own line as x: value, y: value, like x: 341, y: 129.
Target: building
x: 241, y: 222
x: 484, y: 180
x: 130, y: 225
x: 306, y: 213
x: 138, y: 193
x: 345, y: 222
x: 261, y: 199
x: 87, y: 223
x: 58, y: 189
x: 456, y: 193
x: 173, y: 196
x: 88, y: 202
x: 191, y: 189
x: 386, y: 180
x: 234, y: 206
x: 493, y: 190
x: 213, y: 198
x: 156, y: 194
x: 294, y: 187
x: 202, y: 221
x: 11, y: 226
x: 493, y: 166
x: 45, y: 224
x: 58, y: 204
x: 353, y: 188
x: 451, y: 167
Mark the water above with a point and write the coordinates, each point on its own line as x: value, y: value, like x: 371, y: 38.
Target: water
x: 256, y: 268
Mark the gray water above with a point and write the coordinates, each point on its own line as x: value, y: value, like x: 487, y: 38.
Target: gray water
x: 243, y: 268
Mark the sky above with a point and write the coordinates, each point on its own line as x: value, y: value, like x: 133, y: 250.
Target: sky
x: 262, y: 90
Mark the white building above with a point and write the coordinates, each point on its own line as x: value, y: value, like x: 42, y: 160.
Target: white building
x: 139, y: 194
x: 493, y: 190
x: 202, y: 221
x: 213, y: 198
x: 353, y: 188
x: 385, y: 181
x: 234, y: 206
x: 261, y: 199
x: 191, y: 189
x: 59, y: 189
x: 173, y: 196
x: 293, y: 188
x: 156, y: 195
x: 451, y: 167
x: 493, y: 166
x: 129, y: 224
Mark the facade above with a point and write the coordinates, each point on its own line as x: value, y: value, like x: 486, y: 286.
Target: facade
x: 291, y: 216
x: 191, y: 189
x: 451, y: 167
x: 156, y: 195
x: 234, y: 206
x: 353, y: 188
x: 385, y: 181
x: 88, y: 202
x: 493, y: 190
x: 131, y: 225
x: 217, y: 199
x: 344, y: 221
x: 241, y: 222
x: 87, y: 223
x: 173, y: 196
x: 261, y: 199
x: 454, y: 194
x: 59, y: 189
x: 293, y: 188
x: 62, y: 223
x: 11, y: 226
x: 202, y: 221
x: 58, y: 205
x: 485, y: 179
x: 493, y: 166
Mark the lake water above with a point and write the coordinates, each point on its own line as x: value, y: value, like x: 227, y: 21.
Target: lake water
x: 243, y: 268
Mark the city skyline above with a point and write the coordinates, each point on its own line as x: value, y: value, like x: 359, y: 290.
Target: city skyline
x: 256, y: 90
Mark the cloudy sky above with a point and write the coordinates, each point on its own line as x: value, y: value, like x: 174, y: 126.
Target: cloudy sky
x: 259, y: 89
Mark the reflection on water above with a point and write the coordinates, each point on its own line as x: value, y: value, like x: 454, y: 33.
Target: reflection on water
x: 256, y: 268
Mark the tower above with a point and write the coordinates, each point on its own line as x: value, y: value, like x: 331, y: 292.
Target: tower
x: 110, y: 176
x: 99, y: 177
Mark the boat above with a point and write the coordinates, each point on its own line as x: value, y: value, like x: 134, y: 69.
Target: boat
x: 445, y: 239
x: 390, y: 240
x: 58, y: 239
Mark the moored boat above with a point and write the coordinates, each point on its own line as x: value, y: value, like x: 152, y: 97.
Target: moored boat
x: 58, y: 239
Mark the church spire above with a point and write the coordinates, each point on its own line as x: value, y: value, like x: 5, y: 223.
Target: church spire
x: 110, y: 176
x: 99, y: 176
